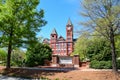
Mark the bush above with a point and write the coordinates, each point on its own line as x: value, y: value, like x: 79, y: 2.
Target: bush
x: 118, y: 64
x: 37, y: 54
x: 94, y: 64
x: 3, y: 56
x: 101, y: 64
x: 17, y: 57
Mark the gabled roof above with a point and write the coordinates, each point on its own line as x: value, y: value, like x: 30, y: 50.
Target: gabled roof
x: 69, y: 22
x: 46, y: 41
x: 61, y: 38
x: 54, y: 31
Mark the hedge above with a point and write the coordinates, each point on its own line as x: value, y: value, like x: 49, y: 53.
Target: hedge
x: 101, y: 64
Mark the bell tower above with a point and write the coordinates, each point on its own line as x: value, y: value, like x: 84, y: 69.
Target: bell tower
x: 54, y: 35
x: 69, y: 31
x: 53, y: 40
x: 69, y: 37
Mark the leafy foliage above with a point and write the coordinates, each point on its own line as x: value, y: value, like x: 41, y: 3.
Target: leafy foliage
x: 17, y: 57
x: 19, y: 23
x: 104, y: 17
x: 117, y: 43
x: 99, y: 53
x: 36, y: 55
x: 81, y: 46
x: 118, y: 64
x: 101, y: 64
x: 99, y: 50
x: 3, y: 56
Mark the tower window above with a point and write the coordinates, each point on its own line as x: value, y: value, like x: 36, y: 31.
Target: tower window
x: 69, y: 39
x: 52, y: 35
x: 68, y: 33
x: 69, y: 44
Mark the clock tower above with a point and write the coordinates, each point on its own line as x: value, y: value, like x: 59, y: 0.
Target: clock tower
x: 69, y: 37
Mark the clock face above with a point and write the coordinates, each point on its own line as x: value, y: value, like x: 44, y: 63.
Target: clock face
x: 69, y: 28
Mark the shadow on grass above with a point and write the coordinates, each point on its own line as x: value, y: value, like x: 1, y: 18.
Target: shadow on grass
x: 34, y: 73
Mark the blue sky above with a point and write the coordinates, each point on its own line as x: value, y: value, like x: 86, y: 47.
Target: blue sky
x: 57, y: 13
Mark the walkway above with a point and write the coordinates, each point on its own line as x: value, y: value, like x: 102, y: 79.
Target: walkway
x: 12, y: 78
x: 50, y: 68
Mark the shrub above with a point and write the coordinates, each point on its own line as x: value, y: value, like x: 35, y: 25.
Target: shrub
x: 94, y: 64
x: 106, y: 64
x: 101, y: 64
x: 17, y: 57
x: 118, y: 64
x: 38, y: 54
x: 3, y: 56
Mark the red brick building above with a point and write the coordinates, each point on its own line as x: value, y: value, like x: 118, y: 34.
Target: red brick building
x: 59, y: 45
x: 62, y: 48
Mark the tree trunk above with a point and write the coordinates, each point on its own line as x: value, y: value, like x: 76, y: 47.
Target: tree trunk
x: 112, y: 42
x: 9, y: 54
x: 9, y: 49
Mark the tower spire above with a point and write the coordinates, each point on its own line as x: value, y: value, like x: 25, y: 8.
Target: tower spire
x: 69, y: 22
x: 54, y: 31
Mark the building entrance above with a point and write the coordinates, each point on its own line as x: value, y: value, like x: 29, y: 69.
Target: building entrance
x: 65, y: 61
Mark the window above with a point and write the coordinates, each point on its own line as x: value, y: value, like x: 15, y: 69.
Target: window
x: 68, y: 39
x: 69, y: 48
x: 52, y: 35
x: 64, y: 45
x: 69, y: 51
x: 52, y: 46
x: 64, y: 51
x: 58, y: 46
x: 68, y: 36
x: 68, y: 33
x: 69, y: 44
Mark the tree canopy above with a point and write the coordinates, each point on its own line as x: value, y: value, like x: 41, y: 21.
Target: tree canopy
x: 81, y: 45
x: 20, y: 20
x: 103, y: 17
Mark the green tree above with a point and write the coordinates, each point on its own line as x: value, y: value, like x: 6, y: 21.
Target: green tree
x: 104, y: 17
x: 99, y: 52
x: 17, y: 57
x: 81, y: 45
x: 19, y: 23
x: 3, y: 56
x: 98, y: 49
x: 36, y: 55
x: 117, y: 43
